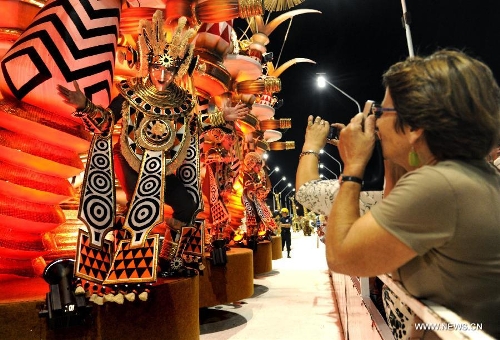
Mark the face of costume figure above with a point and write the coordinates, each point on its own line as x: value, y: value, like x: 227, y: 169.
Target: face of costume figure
x: 257, y: 167
x: 161, y: 77
x: 227, y: 142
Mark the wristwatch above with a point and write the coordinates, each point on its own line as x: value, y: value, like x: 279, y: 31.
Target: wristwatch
x: 343, y: 178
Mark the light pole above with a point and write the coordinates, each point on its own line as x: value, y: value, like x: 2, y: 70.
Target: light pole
x: 322, y: 166
x: 287, y: 186
x: 275, y: 195
x: 340, y: 165
x: 286, y: 196
x: 322, y: 81
x: 277, y: 169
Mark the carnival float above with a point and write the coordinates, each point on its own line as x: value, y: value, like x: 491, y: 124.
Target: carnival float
x: 55, y: 233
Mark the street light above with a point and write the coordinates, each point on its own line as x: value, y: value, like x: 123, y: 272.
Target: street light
x: 322, y: 166
x: 277, y: 169
x: 335, y: 159
x: 287, y: 186
x: 322, y: 81
x: 282, y: 179
x: 288, y: 193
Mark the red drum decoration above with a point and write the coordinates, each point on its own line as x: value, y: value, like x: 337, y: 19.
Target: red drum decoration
x: 174, y: 9
x: 212, y: 43
x: 288, y: 145
x: 130, y: 17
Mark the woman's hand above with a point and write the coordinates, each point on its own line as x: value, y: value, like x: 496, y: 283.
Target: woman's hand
x: 316, y: 132
x: 232, y: 113
x: 356, y: 144
x: 74, y: 98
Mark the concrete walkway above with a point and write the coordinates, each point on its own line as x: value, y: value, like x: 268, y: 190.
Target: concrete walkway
x: 293, y: 301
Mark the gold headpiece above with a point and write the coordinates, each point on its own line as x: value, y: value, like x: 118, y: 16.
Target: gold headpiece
x: 251, y: 159
x: 154, y: 47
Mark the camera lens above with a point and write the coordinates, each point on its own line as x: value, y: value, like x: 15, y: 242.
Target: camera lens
x: 332, y: 133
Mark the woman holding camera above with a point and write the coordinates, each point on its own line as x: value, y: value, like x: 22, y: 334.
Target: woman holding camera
x: 439, y: 229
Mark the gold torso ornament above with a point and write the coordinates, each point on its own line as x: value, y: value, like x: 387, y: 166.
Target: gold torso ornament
x: 156, y: 121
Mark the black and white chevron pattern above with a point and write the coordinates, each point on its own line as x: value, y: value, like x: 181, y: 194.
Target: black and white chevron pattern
x: 67, y: 40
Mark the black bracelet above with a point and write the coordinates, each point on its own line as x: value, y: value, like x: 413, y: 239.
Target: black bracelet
x: 355, y: 179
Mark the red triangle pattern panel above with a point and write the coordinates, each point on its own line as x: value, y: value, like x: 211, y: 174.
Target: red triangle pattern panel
x: 92, y: 264
x: 134, y: 265
x: 192, y: 240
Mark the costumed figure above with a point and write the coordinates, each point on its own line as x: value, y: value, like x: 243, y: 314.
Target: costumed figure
x: 309, y: 222
x: 156, y: 162
x: 217, y: 186
x: 255, y: 190
x: 297, y: 225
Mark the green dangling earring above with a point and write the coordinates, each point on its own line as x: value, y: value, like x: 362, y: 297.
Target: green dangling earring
x: 413, y: 159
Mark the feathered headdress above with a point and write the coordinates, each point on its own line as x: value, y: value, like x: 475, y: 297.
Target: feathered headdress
x: 154, y: 47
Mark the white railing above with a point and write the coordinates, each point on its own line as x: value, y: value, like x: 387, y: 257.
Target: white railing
x: 447, y: 324
x: 361, y: 319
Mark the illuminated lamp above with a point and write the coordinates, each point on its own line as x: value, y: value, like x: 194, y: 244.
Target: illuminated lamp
x: 282, y: 123
x: 277, y: 146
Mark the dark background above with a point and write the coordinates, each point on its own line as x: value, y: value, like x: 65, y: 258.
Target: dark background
x: 353, y: 42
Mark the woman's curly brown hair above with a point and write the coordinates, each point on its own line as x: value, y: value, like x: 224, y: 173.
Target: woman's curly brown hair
x: 453, y: 97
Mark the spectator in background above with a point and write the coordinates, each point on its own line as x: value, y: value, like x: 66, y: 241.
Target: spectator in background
x: 286, y: 232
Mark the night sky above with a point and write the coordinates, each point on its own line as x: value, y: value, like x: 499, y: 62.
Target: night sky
x: 353, y: 42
